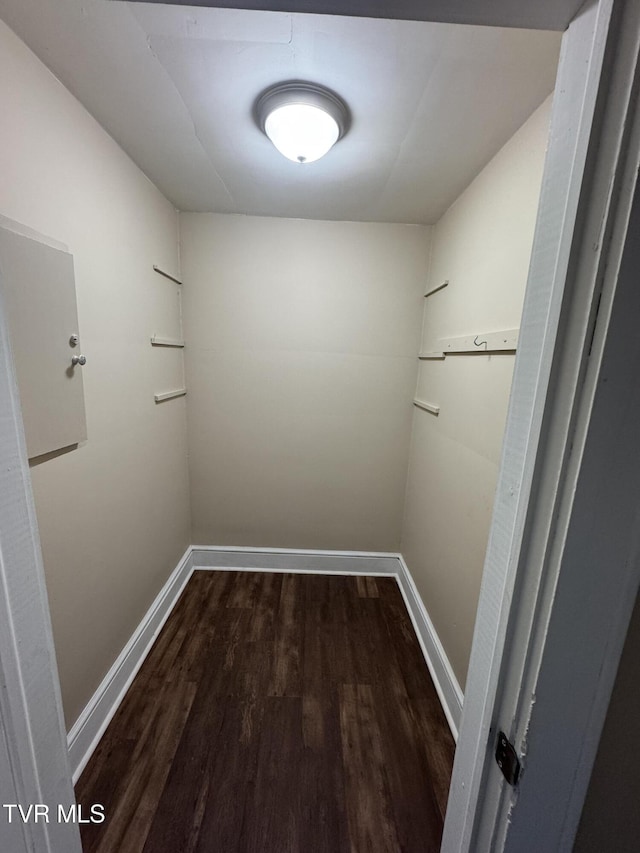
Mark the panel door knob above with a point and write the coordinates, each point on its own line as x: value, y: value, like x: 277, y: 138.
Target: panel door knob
x: 79, y: 359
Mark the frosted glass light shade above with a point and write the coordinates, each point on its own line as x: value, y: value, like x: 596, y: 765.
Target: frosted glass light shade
x: 303, y: 133
x: 303, y: 120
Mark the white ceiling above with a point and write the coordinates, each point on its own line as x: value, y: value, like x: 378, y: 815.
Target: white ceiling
x: 175, y: 85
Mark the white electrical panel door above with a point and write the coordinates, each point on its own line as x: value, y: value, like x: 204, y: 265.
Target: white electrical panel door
x: 39, y: 294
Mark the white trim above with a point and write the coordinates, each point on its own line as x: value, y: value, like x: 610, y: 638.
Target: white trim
x: 442, y: 674
x: 592, y: 518
x: 93, y: 721
x: 251, y: 549
x: 503, y: 340
x: 536, y: 488
x: 342, y: 572
x: 35, y: 766
x: 294, y: 561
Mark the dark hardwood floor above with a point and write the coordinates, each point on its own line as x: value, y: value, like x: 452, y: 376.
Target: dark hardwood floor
x: 276, y: 713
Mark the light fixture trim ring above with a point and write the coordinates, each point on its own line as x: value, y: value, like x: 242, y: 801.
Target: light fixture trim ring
x: 302, y: 92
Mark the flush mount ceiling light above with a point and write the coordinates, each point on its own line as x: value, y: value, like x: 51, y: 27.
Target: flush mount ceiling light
x: 303, y: 120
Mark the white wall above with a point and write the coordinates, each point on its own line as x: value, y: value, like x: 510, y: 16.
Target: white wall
x: 301, y: 363
x: 113, y: 514
x: 482, y: 246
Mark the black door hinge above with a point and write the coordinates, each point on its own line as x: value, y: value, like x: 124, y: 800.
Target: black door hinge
x: 507, y: 759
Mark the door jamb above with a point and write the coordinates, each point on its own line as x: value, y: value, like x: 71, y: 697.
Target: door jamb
x: 530, y: 557
x: 30, y: 701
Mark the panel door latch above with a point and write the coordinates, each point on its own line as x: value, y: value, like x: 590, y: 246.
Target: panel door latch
x: 507, y: 759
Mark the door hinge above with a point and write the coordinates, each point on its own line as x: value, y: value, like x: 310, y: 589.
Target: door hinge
x: 507, y: 759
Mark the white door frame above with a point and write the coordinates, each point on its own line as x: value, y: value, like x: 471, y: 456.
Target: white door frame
x: 580, y: 237
x: 555, y: 602
x: 30, y: 705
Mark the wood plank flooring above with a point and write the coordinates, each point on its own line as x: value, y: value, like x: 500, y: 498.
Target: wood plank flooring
x: 276, y: 713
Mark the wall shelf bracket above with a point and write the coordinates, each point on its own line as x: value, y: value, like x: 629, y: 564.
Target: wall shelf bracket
x: 169, y: 395
x: 166, y: 274
x: 431, y: 356
x: 427, y: 407
x: 157, y: 341
x: 436, y: 288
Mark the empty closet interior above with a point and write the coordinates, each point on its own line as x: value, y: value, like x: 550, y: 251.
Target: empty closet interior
x: 309, y: 357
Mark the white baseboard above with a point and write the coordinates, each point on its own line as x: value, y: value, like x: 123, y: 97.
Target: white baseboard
x: 93, y: 721
x: 446, y: 684
x: 294, y: 561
